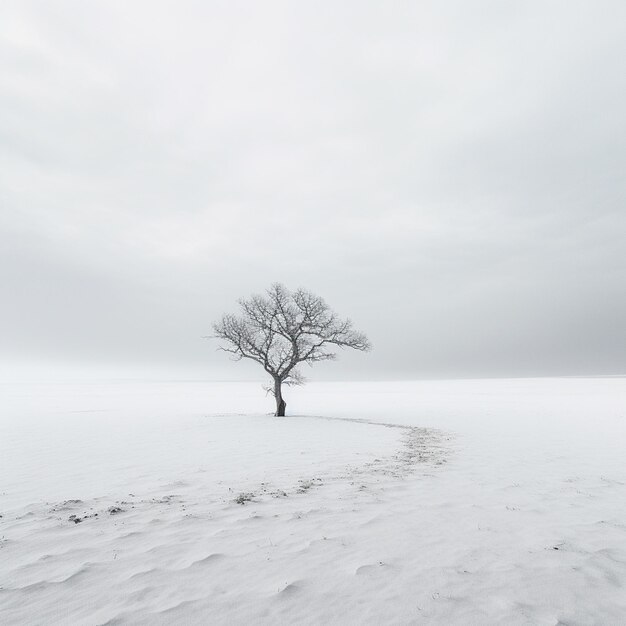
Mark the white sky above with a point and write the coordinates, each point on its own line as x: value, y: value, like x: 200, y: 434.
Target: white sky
x: 451, y: 176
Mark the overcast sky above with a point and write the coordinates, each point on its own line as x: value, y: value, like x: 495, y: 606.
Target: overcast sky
x: 450, y: 175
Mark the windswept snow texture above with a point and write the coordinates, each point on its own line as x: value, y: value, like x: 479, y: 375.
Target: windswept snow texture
x: 457, y: 502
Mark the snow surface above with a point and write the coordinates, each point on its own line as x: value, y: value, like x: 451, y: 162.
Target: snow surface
x: 445, y: 502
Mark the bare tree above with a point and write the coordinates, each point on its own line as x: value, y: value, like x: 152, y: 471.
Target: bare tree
x: 282, y: 329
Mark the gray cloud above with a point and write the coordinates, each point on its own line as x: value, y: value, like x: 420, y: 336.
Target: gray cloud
x: 450, y: 176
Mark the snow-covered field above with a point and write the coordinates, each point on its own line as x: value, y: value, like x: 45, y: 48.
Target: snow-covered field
x: 452, y: 502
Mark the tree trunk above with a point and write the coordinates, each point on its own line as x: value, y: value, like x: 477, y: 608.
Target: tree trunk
x: 280, y: 403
